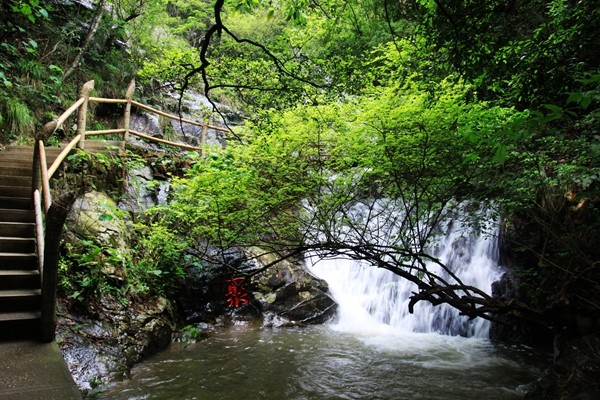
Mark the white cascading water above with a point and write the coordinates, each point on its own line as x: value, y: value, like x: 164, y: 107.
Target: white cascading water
x: 374, y: 300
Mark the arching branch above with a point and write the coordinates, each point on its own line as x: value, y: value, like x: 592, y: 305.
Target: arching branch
x: 215, y: 32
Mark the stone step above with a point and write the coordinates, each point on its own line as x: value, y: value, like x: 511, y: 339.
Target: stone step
x: 17, y: 229
x: 24, y: 261
x: 14, y: 215
x: 15, y: 191
x: 19, y: 279
x: 20, y: 203
x: 20, y: 300
x: 16, y: 245
x: 22, y: 325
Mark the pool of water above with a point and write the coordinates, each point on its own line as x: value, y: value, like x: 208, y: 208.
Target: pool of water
x: 321, y: 362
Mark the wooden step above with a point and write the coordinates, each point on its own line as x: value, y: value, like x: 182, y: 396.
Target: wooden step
x: 15, y: 191
x: 103, y: 146
x: 11, y: 180
x: 14, y: 215
x: 20, y: 300
x: 17, y: 245
x: 19, y: 316
x: 12, y: 261
x: 50, y: 150
x: 26, y: 170
x: 16, y: 158
x: 17, y: 229
x: 20, y: 160
x: 19, y: 279
x: 21, y: 203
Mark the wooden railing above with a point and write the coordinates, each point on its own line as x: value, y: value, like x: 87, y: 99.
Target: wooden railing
x: 48, y: 236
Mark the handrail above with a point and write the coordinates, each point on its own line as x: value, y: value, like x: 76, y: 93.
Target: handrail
x: 47, y: 237
x: 174, y: 117
x: 44, y: 176
x: 61, y: 157
x: 144, y: 136
x: 61, y: 120
x: 39, y: 229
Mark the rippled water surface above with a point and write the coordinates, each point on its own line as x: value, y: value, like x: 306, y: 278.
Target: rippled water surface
x: 322, y: 363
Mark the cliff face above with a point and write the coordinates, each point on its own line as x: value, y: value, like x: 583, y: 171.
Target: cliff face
x: 552, y: 258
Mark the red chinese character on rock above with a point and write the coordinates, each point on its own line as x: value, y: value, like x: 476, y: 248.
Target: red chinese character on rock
x: 236, y: 294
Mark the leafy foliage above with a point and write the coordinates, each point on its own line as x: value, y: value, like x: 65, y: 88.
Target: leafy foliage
x: 422, y: 103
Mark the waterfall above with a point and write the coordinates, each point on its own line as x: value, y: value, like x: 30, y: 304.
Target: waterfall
x: 376, y: 300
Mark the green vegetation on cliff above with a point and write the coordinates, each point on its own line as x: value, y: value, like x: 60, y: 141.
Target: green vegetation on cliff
x: 425, y: 102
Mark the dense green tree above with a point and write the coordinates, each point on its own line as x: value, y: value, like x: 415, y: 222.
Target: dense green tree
x: 372, y: 178
x: 522, y: 52
x: 422, y: 103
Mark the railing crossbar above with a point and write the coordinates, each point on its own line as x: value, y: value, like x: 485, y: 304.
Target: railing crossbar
x: 61, y: 157
x: 176, y: 118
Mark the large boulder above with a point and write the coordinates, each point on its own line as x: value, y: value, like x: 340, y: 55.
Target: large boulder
x: 103, y: 345
x: 95, y: 216
x: 236, y: 286
x: 288, y: 294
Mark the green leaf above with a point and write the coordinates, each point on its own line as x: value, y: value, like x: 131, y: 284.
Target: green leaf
x: 500, y: 155
x: 105, y: 217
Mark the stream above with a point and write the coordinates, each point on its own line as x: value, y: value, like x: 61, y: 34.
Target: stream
x: 320, y: 362
x: 374, y: 349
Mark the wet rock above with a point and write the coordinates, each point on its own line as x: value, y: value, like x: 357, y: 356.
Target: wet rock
x: 575, y: 374
x: 284, y: 294
x: 104, y: 343
x: 288, y: 294
x: 202, y: 294
x: 93, y: 217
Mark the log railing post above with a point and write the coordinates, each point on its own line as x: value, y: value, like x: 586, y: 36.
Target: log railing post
x: 55, y: 220
x: 44, y: 175
x: 86, y: 90
x: 35, y: 172
x: 203, y: 137
x: 127, y: 116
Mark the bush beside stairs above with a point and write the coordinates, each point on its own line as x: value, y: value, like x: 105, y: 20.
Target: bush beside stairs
x: 20, y: 282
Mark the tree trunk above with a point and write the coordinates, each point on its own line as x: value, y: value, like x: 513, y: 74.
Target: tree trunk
x: 88, y: 39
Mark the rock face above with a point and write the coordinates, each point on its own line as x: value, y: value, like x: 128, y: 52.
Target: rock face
x: 284, y: 294
x: 575, y: 374
x: 288, y: 294
x: 143, y: 191
x: 104, y: 346
x: 195, y: 107
x: 92, y: 216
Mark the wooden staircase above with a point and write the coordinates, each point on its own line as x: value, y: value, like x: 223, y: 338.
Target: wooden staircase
x: 20, y: 284
x: 20, y: 288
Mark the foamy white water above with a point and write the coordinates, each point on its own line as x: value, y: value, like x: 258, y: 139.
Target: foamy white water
x: 375, y: 301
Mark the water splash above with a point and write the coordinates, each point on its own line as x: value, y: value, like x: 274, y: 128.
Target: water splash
x: 374, y: 301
